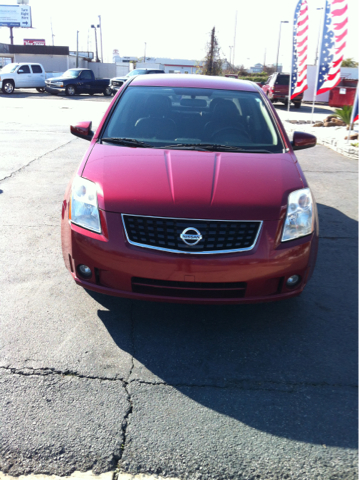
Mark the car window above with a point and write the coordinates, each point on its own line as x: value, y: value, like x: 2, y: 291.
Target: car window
x: 72, y: 73
x: 10, y: 68
x: 161, y: 116
x: 282, y: 80
x: 86, y: 75
x: 24, y: 69
x: 36, y: 69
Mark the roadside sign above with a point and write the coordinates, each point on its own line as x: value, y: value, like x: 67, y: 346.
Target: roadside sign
x: 33, y: 41
x: 15, y: 16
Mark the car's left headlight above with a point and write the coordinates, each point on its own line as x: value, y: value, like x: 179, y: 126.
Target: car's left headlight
x: 83, y: 209
x: 299, y: 220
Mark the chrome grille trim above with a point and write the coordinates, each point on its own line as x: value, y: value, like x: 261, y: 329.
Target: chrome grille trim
x: 214, y: 252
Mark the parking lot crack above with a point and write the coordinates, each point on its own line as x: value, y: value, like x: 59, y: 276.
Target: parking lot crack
x: 127, y: 384
x: 45, y: 371
x: 12, y: 174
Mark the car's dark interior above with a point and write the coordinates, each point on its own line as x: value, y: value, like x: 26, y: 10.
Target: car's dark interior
x: 156, y: 114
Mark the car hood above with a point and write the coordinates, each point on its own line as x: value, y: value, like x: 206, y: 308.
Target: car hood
x: 56, y: 79
x: 188, y: 184
x: 119, y: 79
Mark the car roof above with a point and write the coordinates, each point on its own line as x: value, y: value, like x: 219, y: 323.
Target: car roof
x: 193, y: 81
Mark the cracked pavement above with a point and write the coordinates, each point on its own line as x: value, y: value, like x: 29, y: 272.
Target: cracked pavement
x: 89, y: 382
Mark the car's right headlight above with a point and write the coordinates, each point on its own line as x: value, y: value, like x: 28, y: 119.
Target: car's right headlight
x: 58, y: 84
x: 83, y: 209
x: 299, y: 220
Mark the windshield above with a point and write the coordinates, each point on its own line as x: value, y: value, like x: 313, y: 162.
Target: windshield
x: 136, y: 72
x: 10, y: 68
x: 71, y: 73
x: 192, y: 118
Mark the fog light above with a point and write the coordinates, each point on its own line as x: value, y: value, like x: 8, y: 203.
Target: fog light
x: 293, y: 281
x: 84, y: 271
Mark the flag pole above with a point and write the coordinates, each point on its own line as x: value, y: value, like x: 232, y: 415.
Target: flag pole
x: 353, y: 113
x: 291, y: 67
x: 320, y: 41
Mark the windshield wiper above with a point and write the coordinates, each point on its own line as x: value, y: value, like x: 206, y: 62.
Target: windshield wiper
x: 210, y: 147
x: 126, y: 142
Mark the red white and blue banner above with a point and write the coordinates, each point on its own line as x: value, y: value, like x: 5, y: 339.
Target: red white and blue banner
x: 355, y: 114
x: 335, y: 31
x: 300, y: 49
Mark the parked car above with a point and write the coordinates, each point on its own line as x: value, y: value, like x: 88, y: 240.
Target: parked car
x: 277, y: 89
x: 22, y: 75
x: 190, y: 191
x: 76, y: 81
x: 117, y: 82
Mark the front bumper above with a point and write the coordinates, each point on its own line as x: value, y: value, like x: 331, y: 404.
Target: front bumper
x: 116, y: 265
x: 54, y: 90
x: 115, y: 88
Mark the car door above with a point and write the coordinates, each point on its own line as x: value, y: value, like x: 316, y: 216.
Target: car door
x: 23, y: 77
x: 38, y: 76
x: 85, y: 84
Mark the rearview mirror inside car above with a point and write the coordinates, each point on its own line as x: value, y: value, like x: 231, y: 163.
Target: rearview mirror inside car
x: 82, y: 130
x: 303, y: 140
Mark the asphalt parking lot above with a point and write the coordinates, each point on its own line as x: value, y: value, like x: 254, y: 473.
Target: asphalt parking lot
x: 90, y: 382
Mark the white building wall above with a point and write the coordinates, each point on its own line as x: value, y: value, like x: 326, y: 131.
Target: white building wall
x: 51, y: 63
x: 103, y: 70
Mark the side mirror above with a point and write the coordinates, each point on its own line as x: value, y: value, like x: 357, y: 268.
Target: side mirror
x: 303, y: 140
x: 82, y: 130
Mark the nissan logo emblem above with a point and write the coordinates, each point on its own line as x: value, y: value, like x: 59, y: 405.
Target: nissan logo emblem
x: 191, y: 236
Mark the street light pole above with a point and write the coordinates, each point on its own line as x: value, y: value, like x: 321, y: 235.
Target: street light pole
x: 230, y: 55
x: 97, y: 59
x: 144, y: 58
x: 280, y: 28
x: 100, y: 25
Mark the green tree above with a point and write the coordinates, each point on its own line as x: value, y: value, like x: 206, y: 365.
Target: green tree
x: 350, y: 62
x: 212, y: 63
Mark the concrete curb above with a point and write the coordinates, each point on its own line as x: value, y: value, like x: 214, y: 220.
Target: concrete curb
x: 331, y: 137
x: 85, y: 476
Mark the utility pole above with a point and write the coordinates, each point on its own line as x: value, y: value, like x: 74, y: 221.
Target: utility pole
x: 280, y: 27
x: 230, y: 56
x: 144, y: 58
x: 99, y: 25
x: 94, y: 27
x: 234, y: 40
x: 52, y: 35
x: 77, y: 50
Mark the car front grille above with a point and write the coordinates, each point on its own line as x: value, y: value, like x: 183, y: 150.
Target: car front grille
x: 166, y: 288
x: 217, y: 236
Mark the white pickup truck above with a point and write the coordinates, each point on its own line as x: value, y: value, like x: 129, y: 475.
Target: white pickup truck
x: 23, y: 75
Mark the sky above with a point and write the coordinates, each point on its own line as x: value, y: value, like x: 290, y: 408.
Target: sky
x: 179, y: 29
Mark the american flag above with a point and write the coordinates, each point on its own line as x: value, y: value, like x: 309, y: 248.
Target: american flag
x: 333, y: 43
x: 300, y: 49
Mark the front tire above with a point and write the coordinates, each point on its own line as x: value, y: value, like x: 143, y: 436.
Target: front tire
x: 8, y: 87
x: 70, y: 90
x: 108, y: 92
x: 41, y: 89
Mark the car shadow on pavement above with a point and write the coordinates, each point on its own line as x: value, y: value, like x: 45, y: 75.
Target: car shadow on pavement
x: 285, y: 368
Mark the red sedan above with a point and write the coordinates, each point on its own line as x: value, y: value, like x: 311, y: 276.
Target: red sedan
x: 190, y: 191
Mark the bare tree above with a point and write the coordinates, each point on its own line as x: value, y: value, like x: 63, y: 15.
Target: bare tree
x: 213, y: 63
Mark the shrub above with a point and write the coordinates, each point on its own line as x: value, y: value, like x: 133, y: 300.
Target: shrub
x: 344, y: 113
